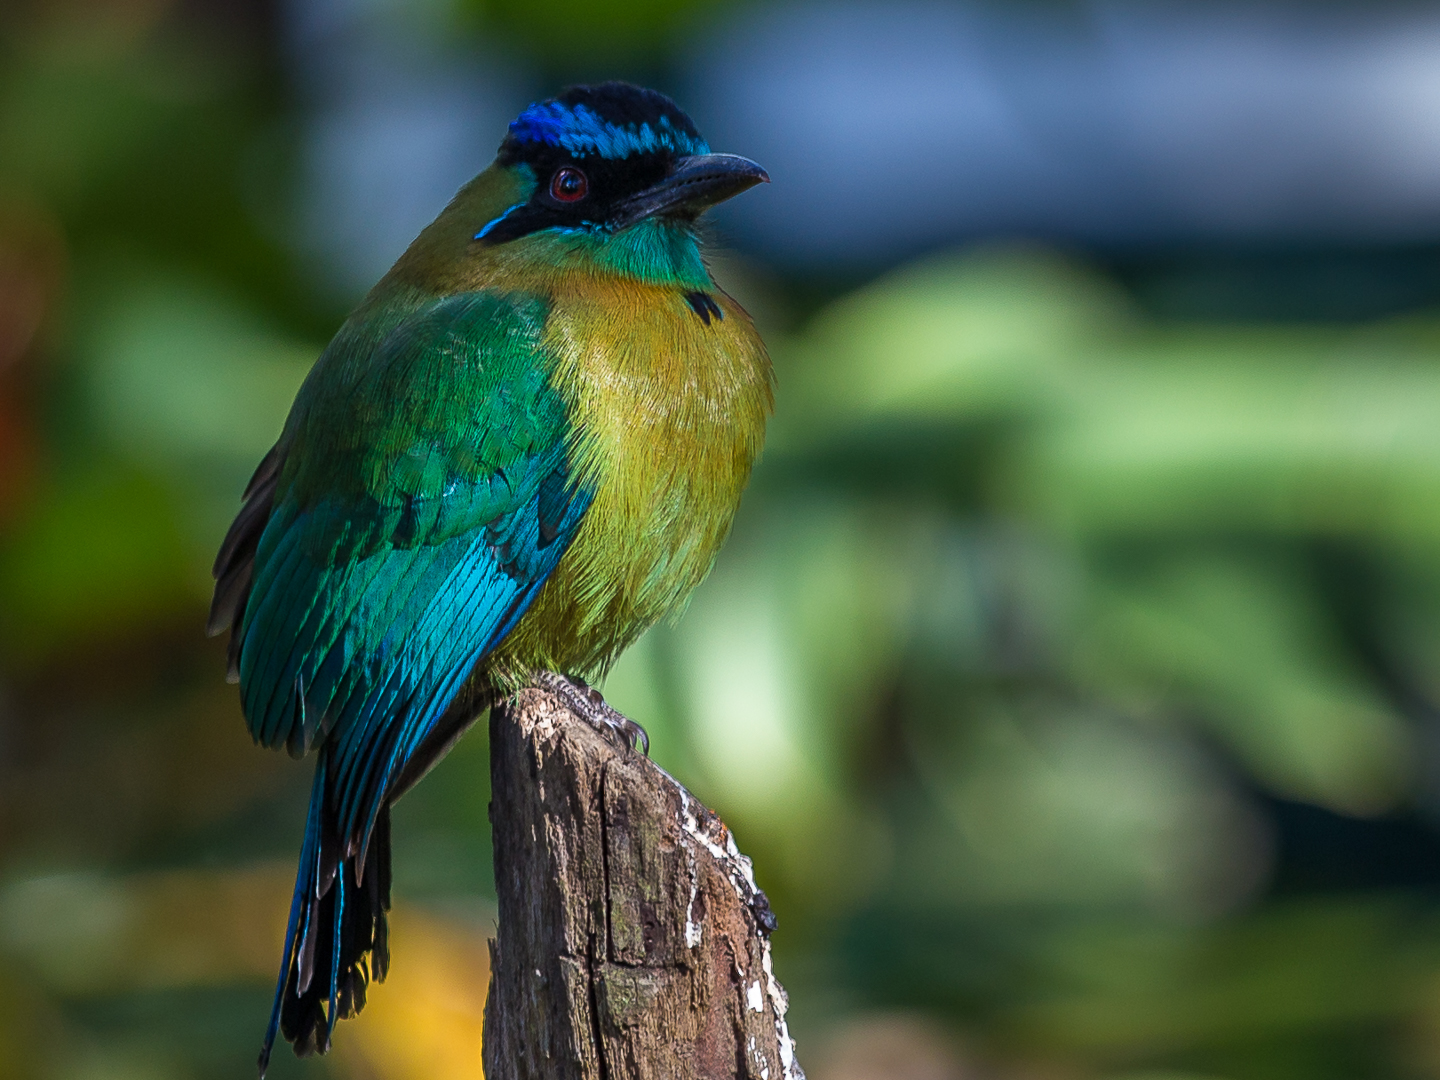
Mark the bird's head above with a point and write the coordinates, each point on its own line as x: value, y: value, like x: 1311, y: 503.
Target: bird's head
x: 602, y: 159
x: 608, y: 178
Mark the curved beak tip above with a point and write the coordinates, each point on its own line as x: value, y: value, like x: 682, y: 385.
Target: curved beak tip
x: 695, y: 184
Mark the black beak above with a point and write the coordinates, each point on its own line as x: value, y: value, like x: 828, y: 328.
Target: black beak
x: 693, y: 184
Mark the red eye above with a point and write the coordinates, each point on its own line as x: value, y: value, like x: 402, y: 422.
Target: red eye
x: 568, y: 185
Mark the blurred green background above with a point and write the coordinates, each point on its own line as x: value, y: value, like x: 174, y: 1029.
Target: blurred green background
x: 1073, y: 672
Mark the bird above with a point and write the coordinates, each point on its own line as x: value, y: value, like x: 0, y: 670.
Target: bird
x: 522, y: 449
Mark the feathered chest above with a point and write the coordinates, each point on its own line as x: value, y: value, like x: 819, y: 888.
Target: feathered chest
x: 668, y: 393
x: 664, y: 387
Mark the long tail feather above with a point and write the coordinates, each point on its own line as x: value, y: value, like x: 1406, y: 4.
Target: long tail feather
x: 299, y: 907
x: 338, y: 913
x: 339, y: 936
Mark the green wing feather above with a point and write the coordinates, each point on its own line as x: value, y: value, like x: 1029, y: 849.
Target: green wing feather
x: 415, y: 504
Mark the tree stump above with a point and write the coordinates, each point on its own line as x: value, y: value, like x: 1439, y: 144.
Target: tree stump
x: 633, y: 943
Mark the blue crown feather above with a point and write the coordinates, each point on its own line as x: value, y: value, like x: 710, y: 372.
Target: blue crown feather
x: 580, y: 131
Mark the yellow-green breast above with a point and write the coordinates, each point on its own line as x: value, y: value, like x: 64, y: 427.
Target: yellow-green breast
x: 670, y: 413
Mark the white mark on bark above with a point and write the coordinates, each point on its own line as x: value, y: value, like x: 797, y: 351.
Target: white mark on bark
x: 754, y: 998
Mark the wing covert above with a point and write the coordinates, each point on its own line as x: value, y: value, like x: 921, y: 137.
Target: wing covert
x: 415, y: 505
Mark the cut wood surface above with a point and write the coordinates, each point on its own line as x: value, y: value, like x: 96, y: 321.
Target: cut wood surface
x: 633, y: 942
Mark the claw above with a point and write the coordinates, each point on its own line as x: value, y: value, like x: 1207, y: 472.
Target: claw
x: 589, y: 704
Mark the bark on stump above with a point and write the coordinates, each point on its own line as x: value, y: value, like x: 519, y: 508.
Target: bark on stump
x: 632, y: 939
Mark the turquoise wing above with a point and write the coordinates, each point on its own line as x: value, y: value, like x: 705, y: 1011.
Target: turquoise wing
x: 420, y: 497
x: 416, y: 503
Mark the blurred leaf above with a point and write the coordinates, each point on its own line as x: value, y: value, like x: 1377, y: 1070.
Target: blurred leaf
x: 192, y: 383
x: 956, y: 338
x: 1056, y: 808
x: 88, y: 934
x: 1211, y: 432
x: 100, y: 553
x: 82, y: 99
x: 1244, y: 648
x: 30, y: 1028
x: 180, y: 370
x: 1302, y: 968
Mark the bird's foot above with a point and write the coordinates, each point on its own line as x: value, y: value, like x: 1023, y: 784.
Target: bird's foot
x: 586, y: 702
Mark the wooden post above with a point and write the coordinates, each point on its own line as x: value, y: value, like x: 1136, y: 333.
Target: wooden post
x: 633, y: 943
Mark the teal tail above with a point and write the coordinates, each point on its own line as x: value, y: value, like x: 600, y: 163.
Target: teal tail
x: 337, y: 930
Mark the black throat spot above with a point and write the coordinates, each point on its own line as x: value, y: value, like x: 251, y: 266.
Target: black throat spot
x: 704, y: 305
